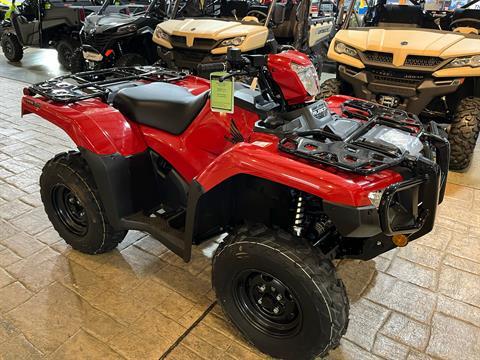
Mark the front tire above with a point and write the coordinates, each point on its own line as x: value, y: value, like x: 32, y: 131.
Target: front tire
x: 65, y: 50
x: 74, y: 206
x: 330, y: 87
x: 77, y: 62
x: 280, y: 292
x: 12, y: 49
x: 463, y: 133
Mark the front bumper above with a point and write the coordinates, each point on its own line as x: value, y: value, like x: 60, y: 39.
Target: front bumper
x: 414, y: 90
x: 408, y: 207
x: 187, y: 59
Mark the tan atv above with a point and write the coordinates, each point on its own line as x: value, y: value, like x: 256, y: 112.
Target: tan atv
x: 414, y: 58
x: 202, y: 31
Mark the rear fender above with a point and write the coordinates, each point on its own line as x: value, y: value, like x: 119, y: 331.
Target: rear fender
x: 91, y: 124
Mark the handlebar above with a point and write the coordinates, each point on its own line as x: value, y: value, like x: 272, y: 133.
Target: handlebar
x: 213, y: 67
x: 238, y: 64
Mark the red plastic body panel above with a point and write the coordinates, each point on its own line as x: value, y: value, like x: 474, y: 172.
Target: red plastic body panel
x: 266, y: 162
x: 288, y: 80
x: 91, y: 124
x: 205, y: 151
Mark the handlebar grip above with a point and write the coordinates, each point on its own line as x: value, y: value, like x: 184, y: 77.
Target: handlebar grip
x: 212, y: 67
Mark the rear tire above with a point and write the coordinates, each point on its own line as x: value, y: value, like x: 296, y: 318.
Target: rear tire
x: 77, y: 62
x: 65, y: 50
x: 463, y: 133
x: 12, y: 49
x: 253, y: 266
x: 74, y: 206
x: 330, y: 87
x: 131, y: 59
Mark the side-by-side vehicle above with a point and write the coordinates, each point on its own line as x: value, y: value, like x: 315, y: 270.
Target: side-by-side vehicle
x: 419, y: 58
x: 202, y: 32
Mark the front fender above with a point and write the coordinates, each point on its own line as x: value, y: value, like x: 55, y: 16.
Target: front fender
x: 91, y: 124
x: 267, y: 163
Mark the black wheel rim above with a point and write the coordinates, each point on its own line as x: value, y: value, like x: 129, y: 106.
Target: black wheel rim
x: 70, y: 210
x: 267, y: 304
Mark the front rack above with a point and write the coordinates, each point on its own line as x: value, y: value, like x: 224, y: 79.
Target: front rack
x: 351, y: 153
x: 96, y: 84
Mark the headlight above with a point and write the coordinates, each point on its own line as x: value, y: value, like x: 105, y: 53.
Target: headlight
x: 472, y: 61
x: 375, y: 197
x: 309, y: 78
x: 127, y: 28
x: 236, y: 41
x: 161, y: 34
x: 342, y: 48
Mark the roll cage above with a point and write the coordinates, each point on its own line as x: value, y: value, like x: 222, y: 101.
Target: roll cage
x: 149, y: 6
x: 217, y: 8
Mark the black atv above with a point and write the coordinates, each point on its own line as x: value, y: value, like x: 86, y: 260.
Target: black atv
x: 122, y: 37
x: 45, y: 24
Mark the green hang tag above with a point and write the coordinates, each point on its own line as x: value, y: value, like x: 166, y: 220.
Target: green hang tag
x: 221, y: 94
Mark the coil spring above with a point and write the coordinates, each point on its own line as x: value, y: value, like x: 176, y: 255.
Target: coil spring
x: 299, y: 215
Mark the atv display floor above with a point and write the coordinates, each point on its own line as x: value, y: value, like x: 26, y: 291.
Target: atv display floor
x: 138, y: 301
x: 37, y: 65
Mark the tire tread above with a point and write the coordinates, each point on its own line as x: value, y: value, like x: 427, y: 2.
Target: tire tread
x: 319, y: 268
x: 464, y: 132
x: 73, y: 161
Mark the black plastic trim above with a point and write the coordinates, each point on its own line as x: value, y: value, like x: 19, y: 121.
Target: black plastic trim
x: 356, y: 222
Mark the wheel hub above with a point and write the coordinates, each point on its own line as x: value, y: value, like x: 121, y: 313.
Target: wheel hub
x: 267, y: 303
x: 69, y: 210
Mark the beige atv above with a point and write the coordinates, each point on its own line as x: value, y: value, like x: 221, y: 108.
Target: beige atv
x: 417, y: 59
x: 200, y: 32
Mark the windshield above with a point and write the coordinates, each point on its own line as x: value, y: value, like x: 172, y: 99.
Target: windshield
x: 444, y: 15
x: 125, y: 7
x: 225, y: 9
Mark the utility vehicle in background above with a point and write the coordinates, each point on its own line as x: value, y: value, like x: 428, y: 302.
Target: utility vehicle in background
x: 6, y: 8
x: 120, y: 34
x: 44, y: 24
x: 203, y: 31
x: 426, y: 62
x: 293, y: 181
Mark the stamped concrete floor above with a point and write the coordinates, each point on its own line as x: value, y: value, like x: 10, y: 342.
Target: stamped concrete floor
x: 419, y: 302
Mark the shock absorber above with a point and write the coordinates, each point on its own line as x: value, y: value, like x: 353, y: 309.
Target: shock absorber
x: 299, y: 215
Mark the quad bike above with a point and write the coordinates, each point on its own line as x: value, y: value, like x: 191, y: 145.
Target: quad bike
x: 202, y: 31
x: 44, y: 24
x: 423, y: 61
x: 119, y: 38
x: 293, y: 181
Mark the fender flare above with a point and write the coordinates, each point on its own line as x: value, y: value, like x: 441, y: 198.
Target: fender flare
x: 267, y: 163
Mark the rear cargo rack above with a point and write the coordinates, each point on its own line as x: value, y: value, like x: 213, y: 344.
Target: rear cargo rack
x: 96, y: 84
x: 353, y: 153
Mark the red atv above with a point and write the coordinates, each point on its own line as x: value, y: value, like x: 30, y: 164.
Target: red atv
x: 294, y: 182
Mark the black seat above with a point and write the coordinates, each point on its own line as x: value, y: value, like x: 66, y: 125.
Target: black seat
x: 163, y: 106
